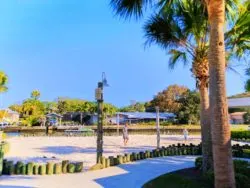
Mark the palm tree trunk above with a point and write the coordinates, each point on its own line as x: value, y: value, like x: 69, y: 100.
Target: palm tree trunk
x: 222, y: 152
x: 207, y: 154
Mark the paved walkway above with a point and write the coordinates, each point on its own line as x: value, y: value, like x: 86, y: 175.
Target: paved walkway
x: 130, y: 175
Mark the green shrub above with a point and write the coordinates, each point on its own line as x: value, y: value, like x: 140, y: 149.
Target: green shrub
x: 18, y: 167
x: 240, y: 135
x: 246, y: 153
x: 50, y: 168
x: 5, y: 147
x: 111, y: 158
x: 10, y: 168
x: 29, y: 168
x: 1, y: 162
x: 242, y: 180
x: 79, y: 166
x: 42, y: 169
x: 23, y: 169
x: 35, y: 169
x: 4, y: 171
x: 65, y: 166
x: 198, y: 162
x: 58, y: 168
x: 71, y: 168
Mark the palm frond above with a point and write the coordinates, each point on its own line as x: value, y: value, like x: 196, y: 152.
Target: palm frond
x: 128, y: 8
x: 177, y: 56
x: 163, y: 31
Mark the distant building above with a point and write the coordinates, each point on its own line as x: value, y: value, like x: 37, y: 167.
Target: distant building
x: 9, y: 116
x: 139, y: 117
x: 239, y: 102
x: 237, y: 117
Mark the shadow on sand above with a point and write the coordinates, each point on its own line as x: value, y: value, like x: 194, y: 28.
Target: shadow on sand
x: 139, y: 173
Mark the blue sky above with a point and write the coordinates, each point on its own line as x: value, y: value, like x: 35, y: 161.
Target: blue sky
x: 61, y: 47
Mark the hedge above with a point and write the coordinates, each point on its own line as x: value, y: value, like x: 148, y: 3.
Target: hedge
x: 240, y: 135
x: 20, y: 168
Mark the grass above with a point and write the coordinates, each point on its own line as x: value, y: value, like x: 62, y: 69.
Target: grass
x: 187, y: 178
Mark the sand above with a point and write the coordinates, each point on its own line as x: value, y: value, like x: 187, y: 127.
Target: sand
x: 44, y: 149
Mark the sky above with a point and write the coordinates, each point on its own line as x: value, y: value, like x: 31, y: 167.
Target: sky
x: 61, y: 48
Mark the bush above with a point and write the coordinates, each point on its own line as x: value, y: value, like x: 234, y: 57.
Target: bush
x: 58, y: 168
x: 29, y: 168
x: 79, y: 166
x: 198, y: 162
x: 50, y: 168
x: 10, y: 168
x: 240, y: 135
x: 71, y: 168
x: 35, y: 169
x: 246, y: 153
x: 23, y: 169
x: 18, y: 167
x: 5, y: 147
x: 1, y: 162
x: 65, y: 166
x: 42, y: 169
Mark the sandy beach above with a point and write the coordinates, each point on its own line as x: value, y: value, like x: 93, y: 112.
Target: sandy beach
x: 44, y: 149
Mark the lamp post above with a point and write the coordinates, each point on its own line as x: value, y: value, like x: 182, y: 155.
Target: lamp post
x: 99, y: 98
x: 158, y: 126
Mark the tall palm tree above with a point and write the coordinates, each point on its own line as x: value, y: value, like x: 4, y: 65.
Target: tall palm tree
x: 224, y: 174
x: 185, y: 36
x: 35, y: 94
x: 3, y: 82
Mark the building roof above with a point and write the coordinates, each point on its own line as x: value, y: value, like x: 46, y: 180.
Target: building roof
x: 146, y: 115
x: 239, y: 102
x: 9, y: 111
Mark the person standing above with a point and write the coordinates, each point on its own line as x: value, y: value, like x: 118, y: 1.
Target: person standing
x: 185, y: 133
x: 125, y: 134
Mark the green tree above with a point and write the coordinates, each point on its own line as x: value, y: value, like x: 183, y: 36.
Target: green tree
x: 189, y: 112
x: 217, y: 9
x: 137, y: 107
x: 3, y: 82
x: 35, y: 94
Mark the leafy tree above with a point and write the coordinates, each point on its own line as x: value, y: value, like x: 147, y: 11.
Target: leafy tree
x: 167, y: 100
x: 246, y: 118
x: 137, y: 107
x: 35, y: 94
x: 189, y: 112
x: 3, y: 82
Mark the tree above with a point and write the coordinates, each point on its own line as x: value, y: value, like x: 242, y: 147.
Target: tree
x: 224, y: 177
x: 3, y: 82
x: 167, y: 100
x: 137, y: 107
x: 35, y: 94
x: 189, y: 112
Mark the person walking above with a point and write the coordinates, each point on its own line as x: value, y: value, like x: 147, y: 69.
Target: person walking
x: 125, y: 134
x: 185, y: 134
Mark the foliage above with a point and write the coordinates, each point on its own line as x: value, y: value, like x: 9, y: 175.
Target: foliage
x: 137, y: 107
x: 241, y: 95
x: 190, y: 108
x: 35, y: 95
x: 240, y: 134
x: 3, y: 82
x: 246, y: 118
x: 168, y: 99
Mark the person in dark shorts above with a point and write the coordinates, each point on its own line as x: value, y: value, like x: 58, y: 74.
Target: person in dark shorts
x: 125, y: 134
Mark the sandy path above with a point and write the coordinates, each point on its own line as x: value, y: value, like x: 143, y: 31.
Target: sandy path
x: 82, y: 148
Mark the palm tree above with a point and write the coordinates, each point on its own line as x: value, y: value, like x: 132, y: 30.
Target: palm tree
x: 186, y: 34
x: 224, y: 174
x: 3, y: 82
x: 35, y: 94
